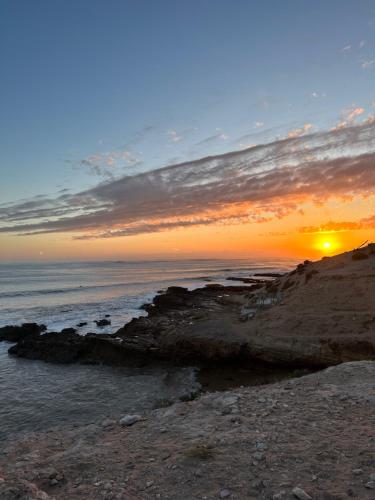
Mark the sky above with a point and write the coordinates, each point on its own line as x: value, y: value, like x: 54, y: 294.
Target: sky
x: 213, y: 128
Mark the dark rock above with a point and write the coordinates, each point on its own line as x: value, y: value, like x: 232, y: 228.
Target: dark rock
x: 107, y: 315
x: 68, y: 330
x: 54, y: 347
x: 82, y: 323
x: 146, y: 306
x: 72, y: 348
x: 103, y: 322
x: 17, y: 333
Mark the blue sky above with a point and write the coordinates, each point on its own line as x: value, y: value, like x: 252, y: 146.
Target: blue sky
x: 93, y: 89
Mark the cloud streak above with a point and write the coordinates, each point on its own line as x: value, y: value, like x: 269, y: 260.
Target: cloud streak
x: 335, y: 227
x: 255, y: 185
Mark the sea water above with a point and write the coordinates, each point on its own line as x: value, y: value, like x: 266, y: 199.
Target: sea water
x: 35, y: 395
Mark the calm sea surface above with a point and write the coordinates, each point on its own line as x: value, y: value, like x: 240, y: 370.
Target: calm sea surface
x: 36, y: 395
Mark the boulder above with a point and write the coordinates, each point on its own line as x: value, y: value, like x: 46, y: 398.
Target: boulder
x: 68, y: 330
x: 14, y: 333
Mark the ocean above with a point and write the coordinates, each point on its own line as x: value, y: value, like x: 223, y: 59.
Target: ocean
x: 35, y: 395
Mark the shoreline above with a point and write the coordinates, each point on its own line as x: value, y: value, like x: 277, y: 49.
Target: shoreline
x: 302, y: 438
x: 303, y: 319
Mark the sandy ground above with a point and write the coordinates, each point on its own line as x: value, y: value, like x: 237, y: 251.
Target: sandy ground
x: 314, y: 433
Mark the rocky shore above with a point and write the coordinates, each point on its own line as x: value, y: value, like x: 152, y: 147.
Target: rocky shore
x: 306, y: 438
x: 320, y: 314
x: 303, y: 438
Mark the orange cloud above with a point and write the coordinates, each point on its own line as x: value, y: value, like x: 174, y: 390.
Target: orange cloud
x: 334, y: 226
x: 348, y: 117
x: 300, y: 131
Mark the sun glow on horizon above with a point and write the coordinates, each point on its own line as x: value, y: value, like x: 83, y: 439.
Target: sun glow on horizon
x: 328, y: 243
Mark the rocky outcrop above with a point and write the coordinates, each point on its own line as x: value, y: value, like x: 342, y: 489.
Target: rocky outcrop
x: 146, y: 339
x: 320, y: 314
x: 73, y: 348
x: 11, y: 333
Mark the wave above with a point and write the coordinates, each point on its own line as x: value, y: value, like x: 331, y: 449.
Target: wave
x: 170, y: 277
x: 82, y: 288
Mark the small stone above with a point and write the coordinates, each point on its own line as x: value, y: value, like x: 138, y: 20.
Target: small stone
x: 225, y: 493
x: 149, y: 484
x: 53, y: 482
x: 227, y: 410
x: 370, y: 485
x: 357, y: 472
x: 128, y: 420
x: 260, y: 445
x: 372, y: 477
x: 108, y: 423
x: 278, y: 496
x: 51, y: 473
x: 258, y: 456
x: 301, y: 494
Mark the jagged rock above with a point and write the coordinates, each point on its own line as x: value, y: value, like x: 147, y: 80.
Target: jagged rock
x: 12, y: 333
x: 73, y: 348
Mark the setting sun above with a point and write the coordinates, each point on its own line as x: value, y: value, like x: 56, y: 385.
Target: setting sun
x: 327, y: 244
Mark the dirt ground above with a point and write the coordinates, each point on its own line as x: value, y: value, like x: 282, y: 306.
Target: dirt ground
x: 311, y: 437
